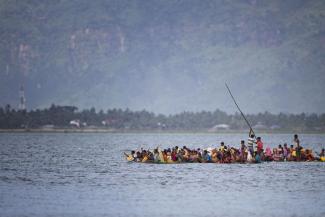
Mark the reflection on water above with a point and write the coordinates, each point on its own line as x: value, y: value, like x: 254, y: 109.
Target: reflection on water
x: 86, y: 175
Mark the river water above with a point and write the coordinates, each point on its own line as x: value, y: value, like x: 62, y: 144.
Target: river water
x: 59, y: 174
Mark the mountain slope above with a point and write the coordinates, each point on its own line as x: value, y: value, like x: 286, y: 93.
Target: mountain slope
x: 165, y: 56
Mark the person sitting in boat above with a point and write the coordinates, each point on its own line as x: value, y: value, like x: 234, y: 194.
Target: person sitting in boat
x: 243, y: 152
x: 219, y: 156
x: 258, y: 157
x: 174, y: 155
x: 250, y: 157
x: 156, y: 157
x: 184, y: 155
x: 309, y: 155
x: 180, y: 155
x: 280, y: 152
x: 133, y: 154
x: 150, y: 157
x: 225, y: 155
x: 206, y: 157
x: 237, y: 156
x: 275, y: 154
x: 233, y: 153
x: 214, y: 155
x: 177, y: 149
x: 130, y: 157
x: 169, y: 156
x: 285, y: 151
x: 139, y: 157
x: 292, y: 153
x: 222, y: 146
x: 164, y: 155
x: 194, y: 157
x: 302, y: 154
x: 268, y: 154
x: 321, y: 156
x: 229, y: 158
x: 259, y: 148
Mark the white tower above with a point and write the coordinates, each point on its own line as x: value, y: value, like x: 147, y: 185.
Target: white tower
x: 22, y: 102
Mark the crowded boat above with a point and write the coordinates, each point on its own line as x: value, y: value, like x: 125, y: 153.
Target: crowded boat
x: 252, y: 152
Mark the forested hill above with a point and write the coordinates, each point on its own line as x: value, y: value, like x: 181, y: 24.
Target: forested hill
x: 164, y: 56
x: 70, y: 117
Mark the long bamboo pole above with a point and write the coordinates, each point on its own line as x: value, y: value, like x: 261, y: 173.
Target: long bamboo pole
x: 250, y: 127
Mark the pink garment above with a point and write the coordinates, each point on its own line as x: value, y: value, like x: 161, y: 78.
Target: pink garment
x: 268, y: 152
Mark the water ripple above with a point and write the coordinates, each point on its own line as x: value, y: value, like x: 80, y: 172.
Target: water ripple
x: 87, y: 175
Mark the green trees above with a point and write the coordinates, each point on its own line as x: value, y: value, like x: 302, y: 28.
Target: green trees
x: 61, y: 116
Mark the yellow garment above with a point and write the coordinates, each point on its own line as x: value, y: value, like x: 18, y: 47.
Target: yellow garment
x: 129, y: 158
x: 169, y: 159
x: 322, y: 159
x: 294, y: 154
x: 145, y: 158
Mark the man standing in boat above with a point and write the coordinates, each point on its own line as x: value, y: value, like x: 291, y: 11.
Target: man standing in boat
x: 296, y: 143
x: 250, y: 142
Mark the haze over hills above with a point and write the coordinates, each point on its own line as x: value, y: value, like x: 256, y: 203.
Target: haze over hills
x: 164, y: 56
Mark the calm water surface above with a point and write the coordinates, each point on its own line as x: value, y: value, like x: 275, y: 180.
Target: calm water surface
x: 86, y: 175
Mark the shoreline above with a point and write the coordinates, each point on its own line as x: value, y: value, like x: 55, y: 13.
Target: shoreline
x: 101, y: 130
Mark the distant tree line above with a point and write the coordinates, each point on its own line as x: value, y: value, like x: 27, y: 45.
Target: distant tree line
x: 70, y: 117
